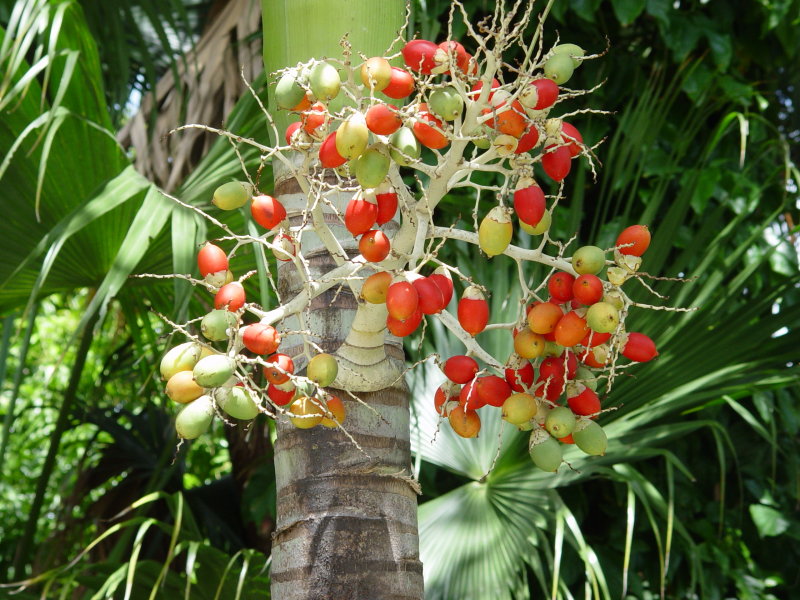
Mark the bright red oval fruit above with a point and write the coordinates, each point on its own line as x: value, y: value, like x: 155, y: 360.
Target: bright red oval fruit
x: 374, y: 245
x: 570, y: 329
x: 441, y: 277
x: 211, y: 259
x: 278, y: 396
x: 571, y: 363
x: 383, y: 119
x: 401, y: 300
x: 586, y: 403
x: 476, y: 89
x: 460, y: 368
x: 329, y: 156
x: 550, y: 386
x: 404, y: 327
x: 638, y: 235
x: 445, y: 393
x: 552, y: 366
x: 387, y: 206
x: 230, y: 296
x: 547, y: 91
x: 529, y: 204
x: 260, y: 338
x: 639, y: 348
x: 528, y: 140
x: 314, y: 118
x: 519, y: 373
x: 424, y: 129
x: 469, y: 397
x: 431, y: 300
x: 418, y: 55
x: 588, y: 289
x: 560, y: 286
x: 493, y: 390
x: 275, y: 375
x: 473, y: 311
x: 267, y: 211
x: 360, y: 215
x: 458, y: 52
x: 556, y: 162
x: 290, y: 130
x: 401, y: 85
x: 569, y: 131
x: 592, y: 339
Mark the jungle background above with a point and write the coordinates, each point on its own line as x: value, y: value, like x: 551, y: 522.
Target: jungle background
x: 699, y: 494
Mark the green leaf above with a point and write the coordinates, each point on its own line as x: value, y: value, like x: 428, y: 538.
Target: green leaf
x: 721, y: 48
x: 769, y: 521
x: 626, y: 11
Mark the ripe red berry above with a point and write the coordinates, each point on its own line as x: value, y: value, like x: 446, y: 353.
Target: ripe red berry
x: 374, y: 245
x: 280, y: 366
x: 418, y: 55
x: 571, y: 329
x: 469, y: 397
x: 584, y: 403
x: 556, y: 162
x: 639, y: 348
x: 441, y: 277
x: 570, y: 131
x: 211, y: 259
x: 519, y: 373
x: 360, y: 215
x: 493, y: 390
x: 402, y: 300
x: 290, y: 131
x: 267, y: 211
x: 638, y: 235
x: 588, y: 289
x: 547, y: 91
x: 473, y: 311
x: 528, y: 140
x: 383, y: 119
x: 529, y: 204
x: 427, y: 129
x: 260, y: 338
x: 404, y: 327
x: 560, y: 286
x: 230, y: 296
x: 460, y: 369
x: 329, y: 156
x: 387, y: 206
x: 431, y: 300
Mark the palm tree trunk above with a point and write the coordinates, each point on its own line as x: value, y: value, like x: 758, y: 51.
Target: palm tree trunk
x: 346, y: 512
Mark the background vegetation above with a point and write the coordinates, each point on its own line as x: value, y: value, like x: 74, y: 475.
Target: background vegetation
x: 698, y: 495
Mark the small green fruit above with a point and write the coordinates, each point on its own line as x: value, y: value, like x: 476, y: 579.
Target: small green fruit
x: 212, y: 371
x: 588, y: 260
x: 195, y: 418
x: 404, y: 147
x: 602, y: 317
x: 446, y: 103
x: 237, y: 402
x: 587, y: 378
x: 495, y: 232
x: 288, y: 92
x: 322, y: 369
x: 560, y: 422
x: 180, y: 358
x: 324, y: 82
x: 545, y: 451
x: 574, y: 51
x: 215, y: 324
x: 559, y: 68
x: 232, y: 195
x: 371, y: 168
x: 590, y: 437
x: 542, y: 226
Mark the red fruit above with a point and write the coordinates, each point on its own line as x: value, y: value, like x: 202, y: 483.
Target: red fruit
x: 519, y: 373
x: 639, y: 348
x: 556, y: 162
x: 230, y: 296
x: 304, y: 104
x: 383, y: 119
x: 571, y: 364
x: 445, y: 393
x: 314, y: 118
x: 469, y: 397
x: 424, y: 129
x: 401, y: 84
x: 260, y: 338
x: 560, y: 287
x: 278, y: 396
x: 404, y: 327
x: 374, y: 245
x: 476, y: 89
x: 638, y: 235
x: 510, y: 121
x: 588, y: 289
x: 544, y: 316
x: 402, y: 300
x: 547, y: 91
x: 273, y: 371
x: 493, y: 390
x: 387, y: 206
x: 529, y: 140
x: 457, y: 51
x: 473, y: 311
x: 211, y: 259
x: 529, y: 204
x: 267, y: 211
x: 460, y: 369
x: 589, y: 357
x: 431, y: 300
x: 466, y: 423
x: 360, y: 215
x: 441, y: 277
x: 550, y: 387
x: 551, y: 366
x: 571, y: 329
x: 569, y: 131
x: 290, y: 131
x: 329, y: 157
x: 596, y: 339
x: 567, y: 439
x: 418, y: 55
x: 585, y: 403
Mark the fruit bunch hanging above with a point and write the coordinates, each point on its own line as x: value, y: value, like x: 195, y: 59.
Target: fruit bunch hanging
x: 364, y: 126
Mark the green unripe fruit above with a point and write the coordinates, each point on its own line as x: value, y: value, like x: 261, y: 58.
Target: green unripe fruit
x: 322, y: 369
x: 215, y: 324
x: 232, y: 195
x: 542, y: 226
x: 574, y: 51
x: 288, y: 92
x: 195, y: 418
x: 324, y: 82
x: 404, y: 142
x: 559, y: 68
x: 519, y: 408
x: 560, y: 422
x: 545, y: 451
x: 552, y: 349
x: 590, y: 437
x: 446, y: 103
x: 602, y: 317
x: 587, y: 378
x: 352, y: 136
x: 180, y: 358
x: 495, y: 231
x: 371, y: 168
x: 212, y: 371
x: 237, y: 402
x: 588, y: 260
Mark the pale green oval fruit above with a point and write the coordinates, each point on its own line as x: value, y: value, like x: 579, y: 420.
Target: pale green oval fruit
x: 446, y: 103
x: 404, y: 142
x: 213, y: 371
x: 559, y: 68
x: 587, y: 378
x: 542, y: 226
x: 322, y: 369
x: 352, y: 136
x: 288, y: 92
x: 371, y: 168
x: 560, y: 422
x: 574, y: 51
x: 237, y: 402
x: 545, y: 451
x: 216, y: 323
x: 325, y: 82
x: 552, y: 349
x: 232, y: 195
x: 602, y: 317
x: 195, y: 418
x: 495, y: 232
x: 589, y: 260
x: 182, y: 357
x: 591, y: 438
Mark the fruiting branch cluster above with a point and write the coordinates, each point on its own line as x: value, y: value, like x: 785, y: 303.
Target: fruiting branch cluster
x: 364, y: 129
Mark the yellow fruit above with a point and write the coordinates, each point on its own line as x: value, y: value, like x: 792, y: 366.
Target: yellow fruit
x: 336, y: 410
x: 495, y: 231
x: 180, y: 358
x: 182, y: 387
x: 322, y: 369
x: 306, y: 412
